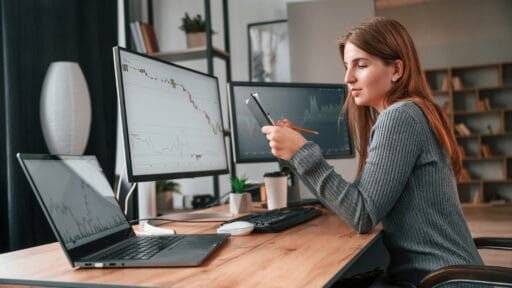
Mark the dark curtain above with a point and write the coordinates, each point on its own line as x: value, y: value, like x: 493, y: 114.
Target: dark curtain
x: 35, y: 33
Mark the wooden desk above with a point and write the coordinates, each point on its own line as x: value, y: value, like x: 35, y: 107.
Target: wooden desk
x: 308, y: 255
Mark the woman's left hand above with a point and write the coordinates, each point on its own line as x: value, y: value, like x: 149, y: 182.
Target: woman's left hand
x: 284, y: 141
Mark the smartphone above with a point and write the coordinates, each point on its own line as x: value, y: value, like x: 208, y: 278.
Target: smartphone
x: 254, y: 105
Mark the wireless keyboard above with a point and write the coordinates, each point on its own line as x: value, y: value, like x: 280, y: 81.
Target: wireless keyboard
x: 279, y: 219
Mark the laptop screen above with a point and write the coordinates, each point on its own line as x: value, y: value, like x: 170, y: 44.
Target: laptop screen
x: 77, y: 196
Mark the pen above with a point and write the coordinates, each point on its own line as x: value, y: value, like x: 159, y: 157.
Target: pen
x: 296, y: 128
x: 300, y: 129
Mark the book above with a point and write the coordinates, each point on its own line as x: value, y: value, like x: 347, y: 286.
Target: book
x: 446, y: 84
x: 487, y: 104
x: 149, y: 37
x: 477, y: 197
x: 486, y: 151
x: 137, y: 37
x: 141, y: 39
x: 462, y: 129
x: 480, y: 106
x: 464, y: 175
x: 457, y: 83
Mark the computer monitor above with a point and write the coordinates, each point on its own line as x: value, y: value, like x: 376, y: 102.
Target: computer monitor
x: 171, y: 119
x: 308, y: 105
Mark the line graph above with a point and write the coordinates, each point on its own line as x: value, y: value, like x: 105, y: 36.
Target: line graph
x: 216, y: 126
x: 314, y: 108
x: 79, y: 199
x: 173, y: 117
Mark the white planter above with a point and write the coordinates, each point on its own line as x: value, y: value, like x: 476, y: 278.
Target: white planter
x: 65, y: 109
x: 196, y: 39
x: 240, y: 203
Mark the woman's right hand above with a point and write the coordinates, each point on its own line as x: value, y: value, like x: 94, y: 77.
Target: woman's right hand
x: 283, y: 140
x: 284, y: 123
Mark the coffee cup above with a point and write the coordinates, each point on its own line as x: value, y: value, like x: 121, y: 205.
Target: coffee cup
x: 276, y: 186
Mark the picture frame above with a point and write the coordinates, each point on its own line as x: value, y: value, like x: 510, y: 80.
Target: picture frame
x: 269, y: 55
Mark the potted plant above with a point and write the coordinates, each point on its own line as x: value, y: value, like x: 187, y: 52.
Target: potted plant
x: 195, y: 30
x: 164, y: 194
x: 240, y: 201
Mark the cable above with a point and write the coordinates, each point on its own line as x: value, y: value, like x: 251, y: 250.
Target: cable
x: 135, y: 221
x: 149, y: 229
x: 128, y: 198
x: 120, y: 182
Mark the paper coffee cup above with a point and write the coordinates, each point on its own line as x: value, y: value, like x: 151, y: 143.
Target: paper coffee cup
x: 276, y: 185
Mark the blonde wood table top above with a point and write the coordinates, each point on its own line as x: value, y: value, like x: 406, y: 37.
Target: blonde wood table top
x: 307, y: 255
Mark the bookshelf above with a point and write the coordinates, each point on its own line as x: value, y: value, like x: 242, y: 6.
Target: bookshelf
x: 207, y: 53
x: 478, y: 102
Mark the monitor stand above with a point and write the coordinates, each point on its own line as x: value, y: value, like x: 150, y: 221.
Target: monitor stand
x: 293, y: 181
x: 147, y: 199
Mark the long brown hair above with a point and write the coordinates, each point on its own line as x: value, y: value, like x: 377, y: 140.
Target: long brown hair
x: 388, y: 40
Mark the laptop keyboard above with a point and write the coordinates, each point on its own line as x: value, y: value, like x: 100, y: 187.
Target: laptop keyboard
x: 140, y: 248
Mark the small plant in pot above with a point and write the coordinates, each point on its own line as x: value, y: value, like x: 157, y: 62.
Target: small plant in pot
x: 165, y: 190
x: 240, y: 201
x: 194, y: 29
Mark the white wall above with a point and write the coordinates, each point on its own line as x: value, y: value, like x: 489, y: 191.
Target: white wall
x: 458, y: 32
x: 315, y: 28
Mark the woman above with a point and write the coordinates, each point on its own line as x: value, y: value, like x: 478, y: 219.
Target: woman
x: 408, y: 157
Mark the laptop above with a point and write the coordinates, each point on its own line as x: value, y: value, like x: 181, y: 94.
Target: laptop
x: 90, y: 225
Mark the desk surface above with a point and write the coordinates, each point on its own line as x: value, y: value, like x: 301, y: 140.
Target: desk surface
x: 308, y: 255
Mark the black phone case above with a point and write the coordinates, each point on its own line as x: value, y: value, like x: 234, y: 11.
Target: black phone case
x: 254, y: 105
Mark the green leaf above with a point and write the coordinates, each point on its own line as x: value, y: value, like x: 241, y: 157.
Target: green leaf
x: 238, y: 184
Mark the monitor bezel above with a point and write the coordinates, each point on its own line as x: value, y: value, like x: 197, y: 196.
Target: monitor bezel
x: 233, y: 122
x: 124, y: 124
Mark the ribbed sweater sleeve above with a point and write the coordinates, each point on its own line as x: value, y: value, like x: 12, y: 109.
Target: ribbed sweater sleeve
x: 396, y: 141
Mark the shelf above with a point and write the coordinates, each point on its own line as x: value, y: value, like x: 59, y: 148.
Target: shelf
x: 478, y: 76
x: 207, y: 53
x: 475, y: 89
x: 489, y: 180
x: 505, y: 181
x: 491, y: 158
x: 478, y: 204
x: 477, y: 135
x: 492, y: 111
x: 497, y: 88
x: 474, y: 135
x: 505, y: 134
x: 470, y: 182
x: 190, y: 54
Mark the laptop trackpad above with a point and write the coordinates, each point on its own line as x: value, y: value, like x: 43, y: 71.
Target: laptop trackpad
x: 192, y: 249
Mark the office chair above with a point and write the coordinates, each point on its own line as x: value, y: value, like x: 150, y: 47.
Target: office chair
x: 475, y: 274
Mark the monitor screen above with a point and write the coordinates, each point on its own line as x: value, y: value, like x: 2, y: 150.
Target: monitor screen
x: 309, y: 105
x: 171, y: 119
x: 76, y: 196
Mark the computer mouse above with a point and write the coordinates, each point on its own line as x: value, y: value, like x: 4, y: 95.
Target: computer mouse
x: 237, y: 228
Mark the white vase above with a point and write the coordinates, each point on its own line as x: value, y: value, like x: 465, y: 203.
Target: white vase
x: 65, y: 109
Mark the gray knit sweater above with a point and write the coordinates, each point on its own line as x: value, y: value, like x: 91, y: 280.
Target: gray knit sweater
x: 407, y: 185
